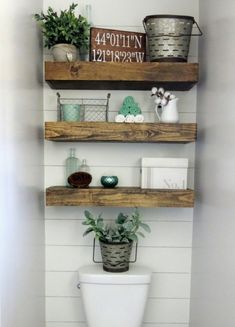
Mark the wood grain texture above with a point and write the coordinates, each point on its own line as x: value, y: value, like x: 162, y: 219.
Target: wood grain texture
x: 120, y: 132
x: 120, y: 76
x: 118, y: 197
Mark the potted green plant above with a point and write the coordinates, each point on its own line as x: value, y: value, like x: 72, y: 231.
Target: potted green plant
x: 116, y: 239
x: 64, y: 33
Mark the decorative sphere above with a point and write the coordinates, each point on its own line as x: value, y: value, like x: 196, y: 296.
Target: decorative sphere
x: 158, y: 101
x: 154, y: 90
x: 109, y: 181
x: 161, y: 90
x: 164, y: 102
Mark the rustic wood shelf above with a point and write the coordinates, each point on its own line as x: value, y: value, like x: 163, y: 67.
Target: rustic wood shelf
x: 121, y: 76
x: 120, y: 132
x: 118, y: 197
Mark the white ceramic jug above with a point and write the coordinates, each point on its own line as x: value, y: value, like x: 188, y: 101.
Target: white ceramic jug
x: 169, y: 112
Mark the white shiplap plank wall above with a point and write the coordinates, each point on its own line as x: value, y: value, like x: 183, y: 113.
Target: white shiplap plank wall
x: 168, y: 249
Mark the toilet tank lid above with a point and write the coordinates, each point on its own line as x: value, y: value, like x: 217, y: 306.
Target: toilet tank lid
x: 94, y: 274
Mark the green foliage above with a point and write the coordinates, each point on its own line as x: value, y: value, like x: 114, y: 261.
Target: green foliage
x: 125, y: 229
x: 64, y: 28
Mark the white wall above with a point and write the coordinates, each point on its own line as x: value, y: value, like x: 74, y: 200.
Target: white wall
x: 213, y: 282
x: 21, y: 167
x: 168, y: 249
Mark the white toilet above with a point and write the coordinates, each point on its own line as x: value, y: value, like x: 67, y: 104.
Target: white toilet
x: 114, y: 299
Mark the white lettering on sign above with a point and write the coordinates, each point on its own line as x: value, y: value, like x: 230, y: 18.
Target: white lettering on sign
x: 118, y: 40
x: 117, y: 46
x: 116, y: 56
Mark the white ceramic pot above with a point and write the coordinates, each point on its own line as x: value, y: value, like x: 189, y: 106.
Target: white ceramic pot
x: 64, y: 52
x: 169, y: 112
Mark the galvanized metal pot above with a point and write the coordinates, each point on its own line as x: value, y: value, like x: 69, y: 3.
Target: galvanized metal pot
x: 169, y: 36
x: 116, y: 256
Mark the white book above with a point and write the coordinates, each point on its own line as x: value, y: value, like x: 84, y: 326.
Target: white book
x: 164, y: 173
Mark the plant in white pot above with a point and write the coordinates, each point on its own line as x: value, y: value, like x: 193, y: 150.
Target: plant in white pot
x: 116, y: 239
x: 64, y: 33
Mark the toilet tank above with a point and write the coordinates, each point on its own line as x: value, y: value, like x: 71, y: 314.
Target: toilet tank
x: 114, y: 299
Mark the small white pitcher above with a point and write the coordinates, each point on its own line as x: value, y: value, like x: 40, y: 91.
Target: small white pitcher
x: 169, y: 112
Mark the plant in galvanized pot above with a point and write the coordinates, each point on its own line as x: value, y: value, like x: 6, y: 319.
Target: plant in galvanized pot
x: 116, y: 239
x: 64, y: 33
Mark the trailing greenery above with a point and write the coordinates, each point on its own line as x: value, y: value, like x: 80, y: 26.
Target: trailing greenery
x: 64, y: 28
x: 125, y: 228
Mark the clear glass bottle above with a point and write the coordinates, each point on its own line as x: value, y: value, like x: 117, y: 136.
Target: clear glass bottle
x: 84, y: 167
x: 88, y: 14
x: 72, y: 165
x: 84, y: 53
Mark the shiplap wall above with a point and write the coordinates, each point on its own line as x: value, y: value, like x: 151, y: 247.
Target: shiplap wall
x: 167, y: 250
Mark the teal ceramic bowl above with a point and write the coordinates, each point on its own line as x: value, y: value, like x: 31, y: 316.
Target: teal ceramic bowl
x: 109, y: 181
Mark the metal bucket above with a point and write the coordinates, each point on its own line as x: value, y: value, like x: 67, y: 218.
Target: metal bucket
x: 169, y: 37
x: 115, y: 256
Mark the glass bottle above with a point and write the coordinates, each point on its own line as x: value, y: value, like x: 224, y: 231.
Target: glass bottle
x: 84, y: 53
x: 72, y: 164
x: 88, y: 14
x: 84, y: 167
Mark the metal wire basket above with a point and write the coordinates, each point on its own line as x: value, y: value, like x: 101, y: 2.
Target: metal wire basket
x: 89, y: 109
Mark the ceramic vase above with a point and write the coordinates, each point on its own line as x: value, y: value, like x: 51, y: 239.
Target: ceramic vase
x: 64, y: 52
x: 169, y: 112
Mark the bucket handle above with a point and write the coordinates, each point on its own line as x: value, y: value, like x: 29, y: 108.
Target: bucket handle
x: 194, y: 22
x: 132, y: 261
x: 200, y: 31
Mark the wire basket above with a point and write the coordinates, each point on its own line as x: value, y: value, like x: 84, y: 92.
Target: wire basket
x: 88, y: 109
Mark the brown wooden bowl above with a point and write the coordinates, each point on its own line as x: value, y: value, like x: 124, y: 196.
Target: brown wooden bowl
x: 80, y: 179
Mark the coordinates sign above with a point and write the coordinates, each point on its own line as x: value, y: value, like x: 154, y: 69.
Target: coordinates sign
x: 117, y: 46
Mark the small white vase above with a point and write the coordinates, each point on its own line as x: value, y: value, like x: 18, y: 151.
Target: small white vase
x: 64, y: 52
x: 169, y: 112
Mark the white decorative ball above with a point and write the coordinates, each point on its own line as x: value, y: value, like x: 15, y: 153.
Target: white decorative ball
x: 120, y: 118
x: 158, y: 101
x: 167, y: 94
x: 164, y: 102
x: 139, y: 118
x: 154, y: 90
x: 130, y: 119
x: 172, y: 96
x: 161, y: 90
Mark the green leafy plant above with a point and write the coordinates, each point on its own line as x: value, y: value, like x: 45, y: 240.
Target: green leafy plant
x: 125, y: 228
x: 64, y: 28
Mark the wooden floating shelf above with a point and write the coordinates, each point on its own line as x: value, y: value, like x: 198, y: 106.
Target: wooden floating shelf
x: 118, y: 197
x: 120, y: 132
x: 121, y: 76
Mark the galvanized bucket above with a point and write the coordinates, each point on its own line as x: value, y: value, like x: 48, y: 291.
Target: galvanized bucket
x: 169, y: 37
x: 115, y: 256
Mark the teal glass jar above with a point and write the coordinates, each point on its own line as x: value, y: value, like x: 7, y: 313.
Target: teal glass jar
x: 109, y: 181
x: 70, y: 112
